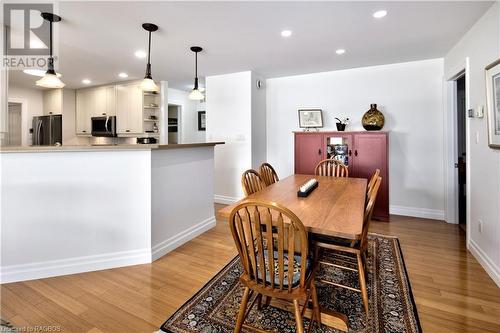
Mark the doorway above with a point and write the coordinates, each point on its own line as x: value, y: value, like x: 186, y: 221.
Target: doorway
x: 14, y: 134
x: 461, y: 147
x: 173, y: 123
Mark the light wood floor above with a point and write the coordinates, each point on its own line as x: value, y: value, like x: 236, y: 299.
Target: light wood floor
x: 452, y: 291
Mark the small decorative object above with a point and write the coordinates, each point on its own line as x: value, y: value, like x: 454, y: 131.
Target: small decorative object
x: 307, y: 188
x: 152, y: 117
x: 493, y: 102
x: 201, y: 121
x: 341, y: 124
x: 310, y: 118
x: 373, y: 119
x: 155, y: 128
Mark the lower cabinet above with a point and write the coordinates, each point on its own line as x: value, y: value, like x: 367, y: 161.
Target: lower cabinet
x: 362, y: 152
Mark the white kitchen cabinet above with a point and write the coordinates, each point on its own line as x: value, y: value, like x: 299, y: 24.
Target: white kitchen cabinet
x: 129, y: 111
x: 83, y: 111
x: 52, y: 101
x: 110, y: 100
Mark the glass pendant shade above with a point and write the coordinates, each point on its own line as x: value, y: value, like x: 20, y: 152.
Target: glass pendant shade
x: 196, y: 95
x: 50, y: 80
x: 149, y: 85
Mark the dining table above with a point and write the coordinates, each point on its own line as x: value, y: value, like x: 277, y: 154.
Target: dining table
x: 335, y: 208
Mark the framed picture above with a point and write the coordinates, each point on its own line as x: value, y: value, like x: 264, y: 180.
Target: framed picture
x: 201, y: 121
x: 310, y: 118
x: 493, y: 103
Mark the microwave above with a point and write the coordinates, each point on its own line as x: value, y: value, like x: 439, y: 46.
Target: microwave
x: 104, y: 126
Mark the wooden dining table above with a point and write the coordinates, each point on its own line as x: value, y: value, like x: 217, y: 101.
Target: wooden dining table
x: 335, y: 208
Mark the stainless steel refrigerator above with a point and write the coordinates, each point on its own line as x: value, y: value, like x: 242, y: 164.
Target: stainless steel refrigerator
x: 47, y: 130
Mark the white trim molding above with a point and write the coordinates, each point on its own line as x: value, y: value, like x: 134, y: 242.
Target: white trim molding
x: 164, y: 247
x: 425, y: 213
x: 222, y: 199
x: 44, y: 269
x: 485, y: 261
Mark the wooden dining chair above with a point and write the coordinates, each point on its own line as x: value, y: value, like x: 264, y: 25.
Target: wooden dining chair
x: 251, y: 182
x: 268, y: 174
x: 332, y: 168
x: 371, y: 182
x: 357, y: 248
x: 268, y: 236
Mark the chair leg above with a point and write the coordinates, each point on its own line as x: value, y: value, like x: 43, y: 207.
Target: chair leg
x: 316, y: 308
x: 268, y: 300
x: 298, y: 317
x: 243, y: 310
x: 362, y: 283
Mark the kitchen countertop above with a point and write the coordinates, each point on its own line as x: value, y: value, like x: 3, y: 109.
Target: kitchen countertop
x: 21, y: 149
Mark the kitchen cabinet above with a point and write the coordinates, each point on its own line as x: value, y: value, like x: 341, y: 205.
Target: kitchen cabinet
x: 52, y: 101
x: 83, y: 111
x: 366, y: 151
x: 129, y: 109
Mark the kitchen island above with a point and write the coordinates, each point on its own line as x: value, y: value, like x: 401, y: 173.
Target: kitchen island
x: 72, y: 209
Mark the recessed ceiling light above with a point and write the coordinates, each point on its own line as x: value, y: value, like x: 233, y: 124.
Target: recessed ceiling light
x: 340, y: 51
x: 380, y: 13
x: 37, y: 72
x: 140, y: 54
x: 286, y: 33
x: 123, y: 75
x: 86, y: 81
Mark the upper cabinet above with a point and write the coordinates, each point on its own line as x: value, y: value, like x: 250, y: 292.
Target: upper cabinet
x: 83, y: 111
x: 52, y: 101
x: 94, y: 102
x: 129, y: 109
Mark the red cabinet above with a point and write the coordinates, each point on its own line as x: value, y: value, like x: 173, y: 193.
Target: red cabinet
x: 366, y: 151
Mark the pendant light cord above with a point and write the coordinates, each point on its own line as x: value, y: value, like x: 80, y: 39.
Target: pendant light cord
x: 50, y: 40
x: 149, y: 49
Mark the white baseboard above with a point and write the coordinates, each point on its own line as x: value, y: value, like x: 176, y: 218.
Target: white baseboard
x: 74, y: 265
x: 485, y: 261
x: 164, y: 247
x: 221, y: 199
x: 424, y: 213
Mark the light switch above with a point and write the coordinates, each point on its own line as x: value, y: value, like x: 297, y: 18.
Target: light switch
x: 479, y: 111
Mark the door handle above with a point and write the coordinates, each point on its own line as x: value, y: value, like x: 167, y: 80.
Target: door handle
x: 38, y: 139
x: 319, y: 151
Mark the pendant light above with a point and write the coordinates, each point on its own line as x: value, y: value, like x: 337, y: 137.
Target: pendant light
x: 196, y: 93
x: 148, y: 84
x: 50, y: 79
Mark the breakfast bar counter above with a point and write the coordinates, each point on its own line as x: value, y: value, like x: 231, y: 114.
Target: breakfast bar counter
x: 72, y: 209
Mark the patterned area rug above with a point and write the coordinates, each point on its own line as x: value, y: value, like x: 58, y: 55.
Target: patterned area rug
x: 392, y: 308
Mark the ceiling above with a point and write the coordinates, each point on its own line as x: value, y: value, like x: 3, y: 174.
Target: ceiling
x: 97, y: 40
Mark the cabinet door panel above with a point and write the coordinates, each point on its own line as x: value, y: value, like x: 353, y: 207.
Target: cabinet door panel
x: 136, y: 113
x: 110, y: 101
x: 309, y: 152
x: 122, y: 109
x: 82, y: 112
x: 370, y: 153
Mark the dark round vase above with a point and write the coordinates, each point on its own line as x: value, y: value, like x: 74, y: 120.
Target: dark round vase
x: 373, y: 119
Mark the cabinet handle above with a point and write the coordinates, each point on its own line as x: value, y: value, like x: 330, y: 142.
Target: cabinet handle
x: 84, y: 131
x: 319, y: 151
x: 127, y: 130
x: 103, y: 114
x: 355, y: 152
x: 350, y: 152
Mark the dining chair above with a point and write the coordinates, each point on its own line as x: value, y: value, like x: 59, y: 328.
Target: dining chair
x: 357, y: 248
x: 332, y: 168
x: 371, y: 182
x: 268, y: 174
x: 273, y: 249
x: 251, y: 182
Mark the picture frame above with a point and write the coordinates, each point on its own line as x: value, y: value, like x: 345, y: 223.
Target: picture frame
x: 492, y: 76
x: 202, y: 126
x: 310, y: 118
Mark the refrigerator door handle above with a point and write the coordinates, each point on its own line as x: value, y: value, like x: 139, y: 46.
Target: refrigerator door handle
x: 38, y: 132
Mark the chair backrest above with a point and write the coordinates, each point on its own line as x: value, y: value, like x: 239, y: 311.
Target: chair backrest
x: 251, y: 182
x: 332, y: 168
x: 263, y: 227
x: 370, y: 204
x: 371, y: 182
x: 268, y: 174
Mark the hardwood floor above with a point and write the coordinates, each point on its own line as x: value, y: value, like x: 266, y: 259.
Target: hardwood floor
x: 452, y: 291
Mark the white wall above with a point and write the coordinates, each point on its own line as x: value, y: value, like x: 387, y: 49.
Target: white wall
x: 259, y: 138
x: 189, y: 122
x: 481, y: 45
x: 409, y: 95
x: 34, y: 107
x: 229, y: 117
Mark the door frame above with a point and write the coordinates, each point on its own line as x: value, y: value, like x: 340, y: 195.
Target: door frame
x: 24, y: 117
x: 180, y: 106
x: 450, y: 142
